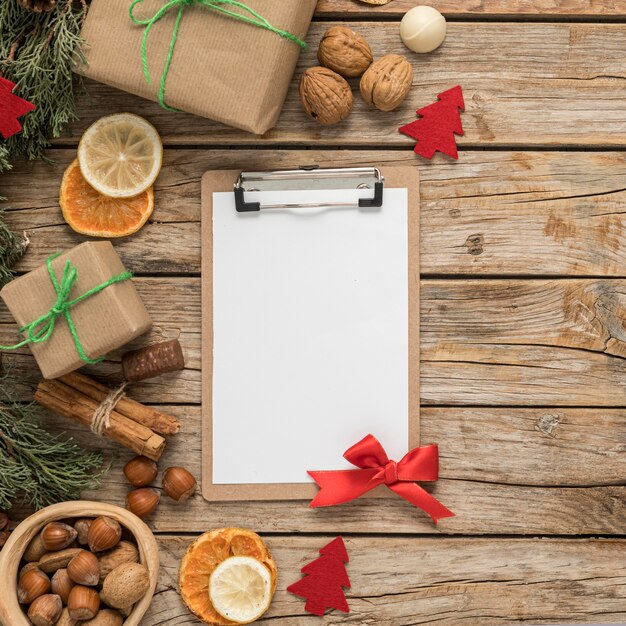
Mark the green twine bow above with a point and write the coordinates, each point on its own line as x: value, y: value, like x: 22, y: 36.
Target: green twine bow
x: 253, y: 18
x: 42, y: 328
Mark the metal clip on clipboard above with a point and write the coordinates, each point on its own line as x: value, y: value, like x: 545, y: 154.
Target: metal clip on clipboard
x: 310, y: 178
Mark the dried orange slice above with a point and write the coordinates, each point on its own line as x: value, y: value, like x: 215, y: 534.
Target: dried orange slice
x: 202, y: 559
x: 90, y: 213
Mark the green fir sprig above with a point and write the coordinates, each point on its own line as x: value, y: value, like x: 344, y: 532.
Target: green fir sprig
x: 12, y: 247
x: 37, y: 53
x: 37, y: 467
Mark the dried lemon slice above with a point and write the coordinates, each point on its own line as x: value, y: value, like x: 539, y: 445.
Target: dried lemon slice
x: 120, y: 155
x: 240, y: 589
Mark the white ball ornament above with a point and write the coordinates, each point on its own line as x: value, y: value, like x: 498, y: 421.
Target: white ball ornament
x: 423, y: 29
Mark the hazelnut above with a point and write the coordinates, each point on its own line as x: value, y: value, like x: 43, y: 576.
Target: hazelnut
x: 104, y: 534
x: 387, y: 82
x: 125, y: 585
x: 52, y: 561
x: 56, y: 536
x: 4, y: 520
x: 105, y: 617
x: 124, y: 552
x: 140, y: 471
x: 62, y: 584
x: 83, y: 603
x: 45, y: 610
x: 31, y: 585
x: 84, y: 569
x: 82, y: 526
x: 27, y: 568
x: 4, y: 536
x: 142, y: 501
x: 344, y: 51
x: 325, y: 96
x: 178, y: 483
x: 35, y: 549
x: 65, y: 619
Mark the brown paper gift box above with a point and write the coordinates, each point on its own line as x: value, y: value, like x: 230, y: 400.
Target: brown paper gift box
x: 105, y: 321
x: 222, y: 68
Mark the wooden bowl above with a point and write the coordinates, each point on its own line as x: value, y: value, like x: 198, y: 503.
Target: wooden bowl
x: 12, y: 613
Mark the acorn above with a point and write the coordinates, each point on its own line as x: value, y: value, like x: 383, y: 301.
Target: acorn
x: 140, y: 471
x: 56, y: 536
x: 178, y: 483
x: 83, y: 603
x: 82, y: 526
x: 142, y: 501
x: 62, y: 584
x: 105, y: 533
x: 32, y: 584
x: 84, y: 569
x: 45, y: 610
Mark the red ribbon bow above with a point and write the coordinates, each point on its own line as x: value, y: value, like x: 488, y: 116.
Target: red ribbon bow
x: 339, y: 486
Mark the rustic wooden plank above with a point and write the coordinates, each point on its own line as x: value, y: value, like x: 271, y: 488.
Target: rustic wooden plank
x: 502, y: 471
x: 534, y: 84
x: 525, y: 213
x: 487, y: 342
x: 545, y: 9
x: 453, y: 582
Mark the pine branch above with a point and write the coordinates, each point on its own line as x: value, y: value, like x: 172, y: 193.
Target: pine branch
x: 36, y: 53
x: 35, y: 466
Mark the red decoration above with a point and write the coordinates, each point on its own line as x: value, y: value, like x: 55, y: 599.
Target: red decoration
x: 11, y: 107
x: 437, y: 125
x: 339, y: 486
x: 325, y: 577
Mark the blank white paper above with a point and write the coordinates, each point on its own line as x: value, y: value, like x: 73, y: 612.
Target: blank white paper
x: 310, y: 326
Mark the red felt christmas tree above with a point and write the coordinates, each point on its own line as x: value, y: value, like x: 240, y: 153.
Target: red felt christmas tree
x: 325, y: 577
x: 437, y: 125
x: 11, y: 107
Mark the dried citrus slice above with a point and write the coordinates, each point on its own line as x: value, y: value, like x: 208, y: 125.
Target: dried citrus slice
x: 205, y: 555
x: 120, y: 155
x: 90, y: 213
x: 240, y: 589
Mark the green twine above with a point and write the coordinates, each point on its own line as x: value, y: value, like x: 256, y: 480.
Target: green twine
x: 42, y: 328
x: 253, y: 18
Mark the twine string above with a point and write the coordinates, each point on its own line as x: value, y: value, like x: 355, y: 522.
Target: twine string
x: 41, y: 329
x: 101, y: 418
x: 249, y: 16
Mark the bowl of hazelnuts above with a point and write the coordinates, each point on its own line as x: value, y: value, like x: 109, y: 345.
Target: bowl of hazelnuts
x: 81, y: 562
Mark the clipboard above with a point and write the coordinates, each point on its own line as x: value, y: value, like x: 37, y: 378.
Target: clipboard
x: 304, y: 177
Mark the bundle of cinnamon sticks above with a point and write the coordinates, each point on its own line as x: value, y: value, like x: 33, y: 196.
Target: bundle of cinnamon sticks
x: 138, y: 427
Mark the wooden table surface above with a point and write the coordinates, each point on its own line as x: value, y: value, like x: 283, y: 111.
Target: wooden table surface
x: 523, y: 375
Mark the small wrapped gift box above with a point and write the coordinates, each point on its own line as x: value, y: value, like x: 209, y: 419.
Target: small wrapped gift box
x: 221, y: 67
x: 107, y: 319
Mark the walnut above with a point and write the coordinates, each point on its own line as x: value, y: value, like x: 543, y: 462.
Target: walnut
x: 344, y: 51
x: 326, y: 97
x: 387, y: 82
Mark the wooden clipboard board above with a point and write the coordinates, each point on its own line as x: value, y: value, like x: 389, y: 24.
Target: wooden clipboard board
x: 224, y: 180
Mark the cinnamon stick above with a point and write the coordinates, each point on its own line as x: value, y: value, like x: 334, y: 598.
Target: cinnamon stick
x: 61, y: 398
x: 161, y: 423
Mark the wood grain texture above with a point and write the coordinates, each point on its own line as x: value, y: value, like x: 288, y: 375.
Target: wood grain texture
x: 503, y: 471
x: 483, y: 342
x: 535, y: 84
x: 477, y: 8
x: 460, y: 582
x: 490, y: 213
